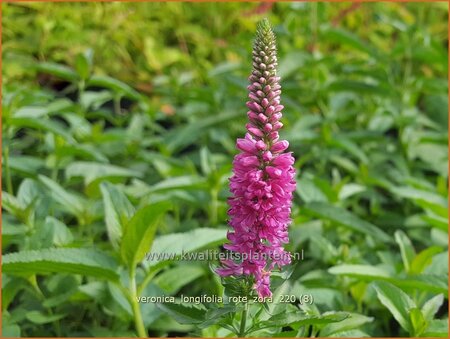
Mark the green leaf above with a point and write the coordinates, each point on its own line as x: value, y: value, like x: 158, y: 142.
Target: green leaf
x: 349, y: 190
x: 43, y: 124
x: 182, y: 137
x: 353, y: 321
x: 115, y: 85
x: 171, y: 246
x: 55, y: 233
x: 61, y: 260
x: 406, y: 249
x: 300, y: 319
x: 343, y: 37
x: 397, y: 302
x: 360, y: 271
x: 26, y: 164
x: 71, y: 202
x: 424, y: 282
x: 10, y: 331
x: 118, y: 211
x: 92, y: 171
x: 418, y: 321
x: 41, y: 318
x: 184, y: 314
x: 437, y: 328
x: 173, y: 279
x: 83, y: 64
x: 431, y: 307
x: 140, y: 231
x: 423, y: 259
x: 420, y: 195
x: 360, y: 87
x: 346, y: 219
x: 183, y: 182
x: 58, y: 70
x: 309, y: 192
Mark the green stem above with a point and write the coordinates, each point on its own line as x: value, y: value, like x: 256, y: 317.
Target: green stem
x: 139, y: 323
x: 147, y: 279
x: 9, y: 185
x: 243, y: 322
x: 214, y: 205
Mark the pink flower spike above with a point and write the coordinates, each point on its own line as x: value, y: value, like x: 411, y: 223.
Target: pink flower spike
x: 263, y: 177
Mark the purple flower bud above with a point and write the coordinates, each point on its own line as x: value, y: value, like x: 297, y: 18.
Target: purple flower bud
x: 277, y: 125
x: 262, y: 117
x: 267, y: 156
x: 254, y: 106
x: 257, y: 132
x: 280, y: 146
x: 270, y: 110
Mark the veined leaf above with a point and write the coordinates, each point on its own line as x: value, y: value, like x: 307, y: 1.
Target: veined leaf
x: 115, y: 85
x: 353, y: 321
x: 91, y: 171
x: 118, y: 211
x: 431, y: 307
x: 424, y: 258
x: 346, y: 219
x: 43, y: 124
x: 184, y: 314
x: 61, y: 260
x: 397, y: 302
x: 168, y: 247
x: 300, y: 319
x: 71, y: 202
x: 140, y: 231
x: 406, y: 249
x: 58, y: 70
x: 437, y: 328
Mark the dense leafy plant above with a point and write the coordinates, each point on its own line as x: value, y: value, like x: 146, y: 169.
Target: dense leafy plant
x: 118, y: 133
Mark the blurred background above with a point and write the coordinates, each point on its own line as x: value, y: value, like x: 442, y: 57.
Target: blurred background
x: 151, y: 97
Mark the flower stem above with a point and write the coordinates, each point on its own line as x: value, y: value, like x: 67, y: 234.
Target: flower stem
x: 243, y: 321
x: 139, y: 323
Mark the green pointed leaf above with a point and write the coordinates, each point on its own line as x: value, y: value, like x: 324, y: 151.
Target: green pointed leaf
x: 397, y: 302
x: 418, y: 321
x: 346, y: 219
x: 115, y: 85
x: 353, y: 321
x: 118, y: 211
x: 431, y: 307
x: 168, y: 247
x: 300, y: 319
x: 43, y: 124
x: 360, y: 271
x: 61, y: 260
x: 184, y: 314
x: 424, y: 258
x: 140, y: 231
x: 173, y: 279
x: 406, y: 249
x: 58, y: 70
x: 437, y: 328
x: 92, y: 171
x: 71, y: 202
x: 41, y: 318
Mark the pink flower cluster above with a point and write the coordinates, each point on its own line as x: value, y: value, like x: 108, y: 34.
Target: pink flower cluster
x: 263, y: 179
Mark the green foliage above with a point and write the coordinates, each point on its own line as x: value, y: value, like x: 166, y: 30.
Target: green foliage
x: 119, y: 131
